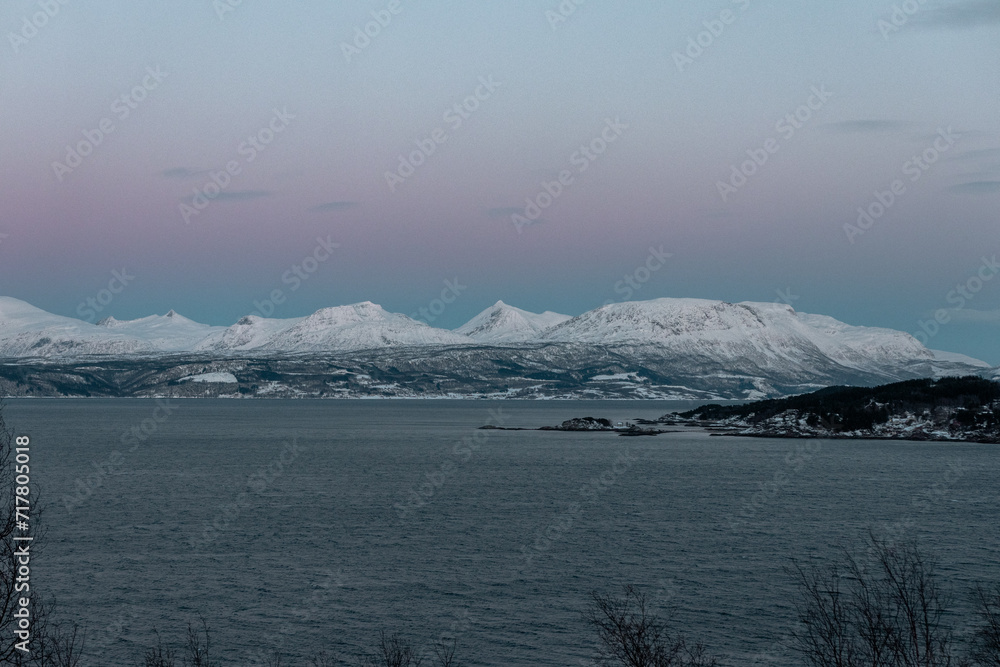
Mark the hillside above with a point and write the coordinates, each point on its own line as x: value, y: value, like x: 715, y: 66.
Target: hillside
x: 965, y: 408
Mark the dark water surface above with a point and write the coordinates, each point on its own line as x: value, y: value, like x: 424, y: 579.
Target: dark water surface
x: 317, y: 541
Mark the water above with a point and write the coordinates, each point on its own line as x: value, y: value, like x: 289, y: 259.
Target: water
x: 315, y: 556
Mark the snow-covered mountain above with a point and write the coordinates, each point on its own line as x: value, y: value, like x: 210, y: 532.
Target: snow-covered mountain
x: 249, y: 333
x: 501, y: 323
x: 165, y: 333
x: 26, y: 331
x: 360, y: 326
x: 766, y: 333
x: 660, y: 348
x: 762, y: 339
x: 860, y: 346
x: 955, y: 357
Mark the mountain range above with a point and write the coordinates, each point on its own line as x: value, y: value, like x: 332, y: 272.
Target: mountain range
x: 662, y: 348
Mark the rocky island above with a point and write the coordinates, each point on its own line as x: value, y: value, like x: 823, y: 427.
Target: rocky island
x: 587, y: 424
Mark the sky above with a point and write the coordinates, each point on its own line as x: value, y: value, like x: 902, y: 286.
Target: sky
x: 233, y: 156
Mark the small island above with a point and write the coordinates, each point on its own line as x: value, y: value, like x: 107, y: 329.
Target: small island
x: 587, y: 424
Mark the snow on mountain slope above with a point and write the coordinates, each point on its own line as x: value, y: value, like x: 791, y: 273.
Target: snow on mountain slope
x: 249, y: 333
x: 26, y: 331
x: 501, y: 323
x: 676, y: 340
x: 941, y: 355
x: 697, y: 334
x: 342, y: 328
x: 863, y: 343
x: 359, y: 326
x: 769, y: 337
x: 166, y: 333
x: 675, y: 322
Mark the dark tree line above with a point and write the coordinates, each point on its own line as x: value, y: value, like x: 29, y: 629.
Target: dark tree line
x: 970, y: 400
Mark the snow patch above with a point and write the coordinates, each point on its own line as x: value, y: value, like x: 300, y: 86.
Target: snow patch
x: 224, y: 378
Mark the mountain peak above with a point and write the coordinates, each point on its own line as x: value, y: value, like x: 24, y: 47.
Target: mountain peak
x: 356, y: 312
x: 503, y: 323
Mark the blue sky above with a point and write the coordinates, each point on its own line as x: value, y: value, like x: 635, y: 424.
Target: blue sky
x: 739, y: 137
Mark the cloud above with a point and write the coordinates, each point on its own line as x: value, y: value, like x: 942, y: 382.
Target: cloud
x: 508, y: 211
x: 976, y: 188
x: 183, y: 173
x: 236, y: 195
x: 961, y: 14
x: 973, y: 316
x: 243, y: 195
x: 980, y: 154
x: 965, y: 135
x: 504, y: 211
x: 867, y: 125
x: 336, y: 206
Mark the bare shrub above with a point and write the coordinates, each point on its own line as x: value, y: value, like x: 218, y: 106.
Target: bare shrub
x: 630, y: 634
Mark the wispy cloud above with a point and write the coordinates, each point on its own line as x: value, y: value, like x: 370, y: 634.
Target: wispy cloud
x: 183, y: 173
x: 973, y: 316
x: 504, y: 211
x: 961, y: 14
x: 336, y: 206
x: 508, y: 211
x: 243, y: 195
x: 866, y: 125
x: 236, y: 195
x: 976, y: 188
x: 980, y: 154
